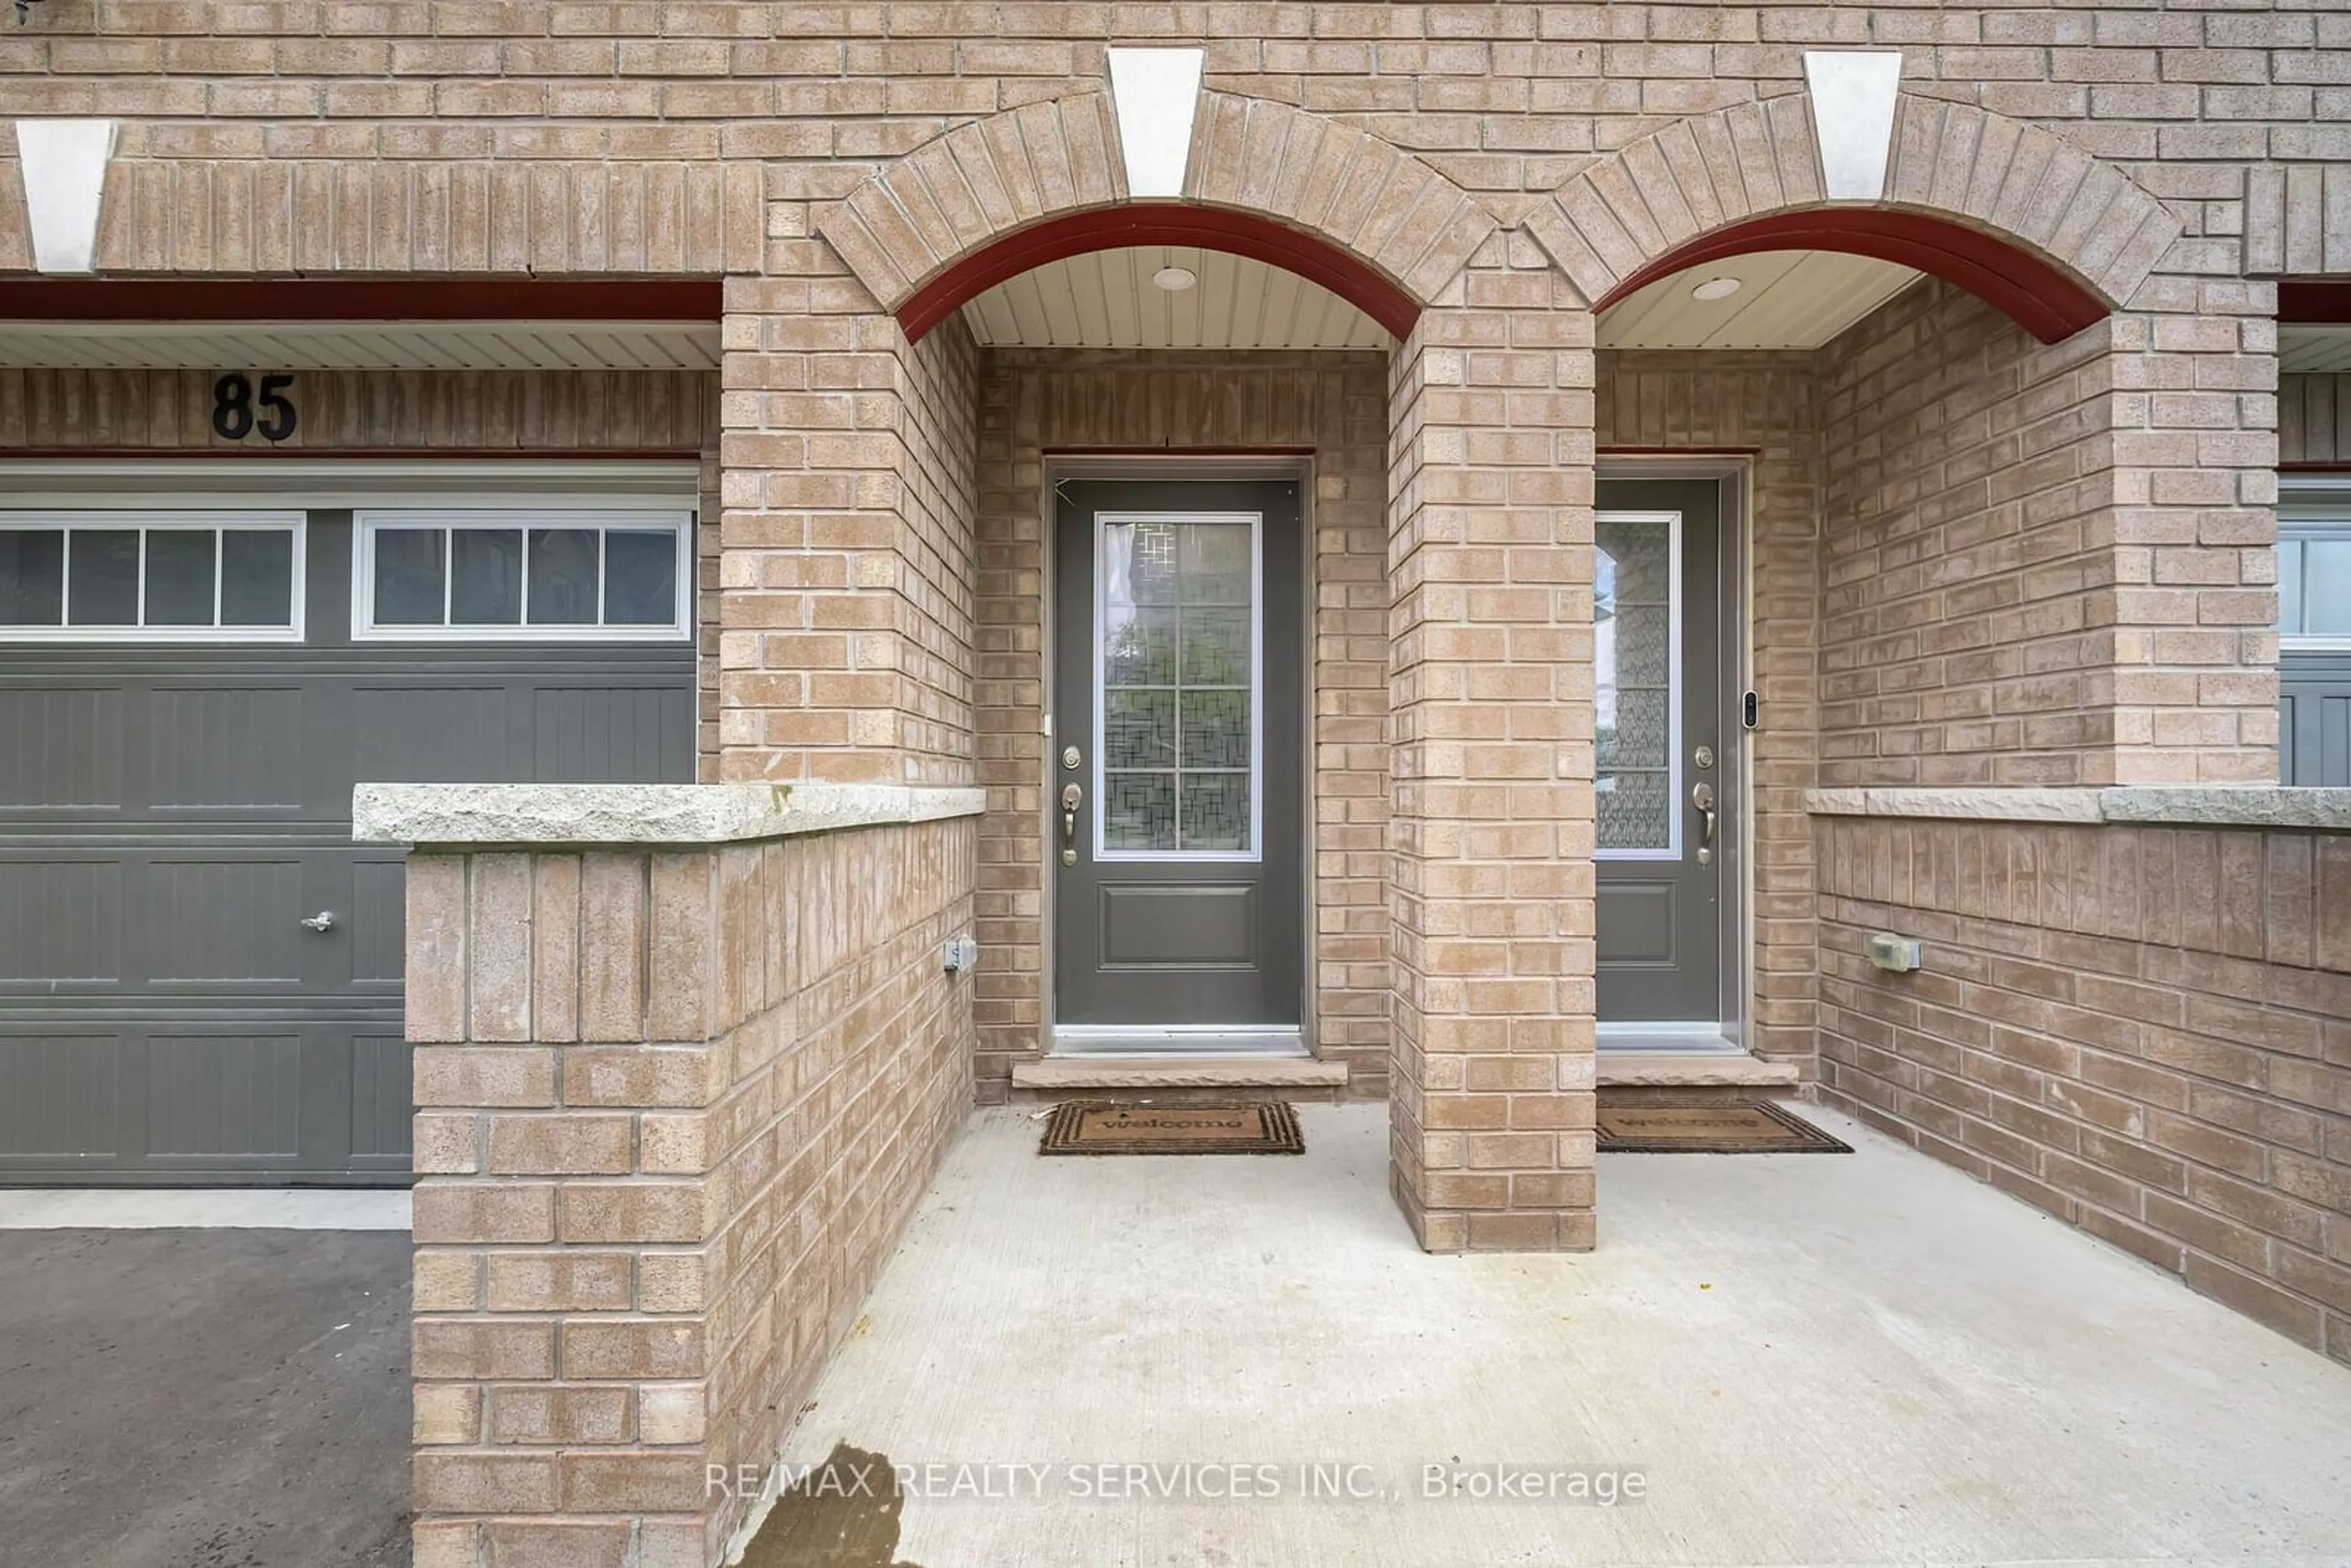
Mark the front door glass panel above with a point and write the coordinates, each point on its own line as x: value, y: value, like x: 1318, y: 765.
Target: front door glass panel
x: 1178, y: 672
x: 1637, y: 634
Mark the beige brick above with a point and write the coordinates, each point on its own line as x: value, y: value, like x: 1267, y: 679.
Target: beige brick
x: 565, y: 1281
x: 448, y: 1211
x: 447, y: 1413
x: 485, y: 1483
x: 567, y: 1143
x: 572, y: 1543
x: 672, y: 1412
x: 482, y: 1348
x: 560, y: 1418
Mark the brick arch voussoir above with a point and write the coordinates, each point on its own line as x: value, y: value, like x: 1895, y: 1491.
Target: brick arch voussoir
x: 1755, y: 168
x: 989, y: 179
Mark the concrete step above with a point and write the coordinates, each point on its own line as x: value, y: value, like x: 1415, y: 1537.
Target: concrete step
x: 1233, y: 1070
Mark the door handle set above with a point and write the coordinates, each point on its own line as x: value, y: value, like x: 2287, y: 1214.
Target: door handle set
x: 1702, y: 796
x: 1072, y: 798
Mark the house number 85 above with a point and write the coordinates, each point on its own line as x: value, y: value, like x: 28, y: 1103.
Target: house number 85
x: 233, y: 406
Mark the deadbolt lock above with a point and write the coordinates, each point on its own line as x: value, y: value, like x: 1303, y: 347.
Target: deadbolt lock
x: 1070, y: 758
x: 1705, y: 757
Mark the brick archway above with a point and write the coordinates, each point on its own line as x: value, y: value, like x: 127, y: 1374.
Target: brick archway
x: 2008, y: 211
x: 989, y: 198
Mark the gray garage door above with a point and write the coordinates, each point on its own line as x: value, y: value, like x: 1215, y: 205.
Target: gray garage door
x: 172, y: 812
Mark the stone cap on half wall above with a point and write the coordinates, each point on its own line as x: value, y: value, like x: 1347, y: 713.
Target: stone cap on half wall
x: 573, y: 814
x: 2207, y: 806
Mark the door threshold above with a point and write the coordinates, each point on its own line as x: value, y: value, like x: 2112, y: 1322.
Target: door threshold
x: 1186, y: 1039
x: 1165, y: 1070
x: 1621, y: 1068
x: 1681, y: 1039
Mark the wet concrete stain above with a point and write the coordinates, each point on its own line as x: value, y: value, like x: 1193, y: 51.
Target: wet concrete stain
x: 842, y: 1514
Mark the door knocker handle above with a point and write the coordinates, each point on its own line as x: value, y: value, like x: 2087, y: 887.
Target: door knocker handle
x: 1702, y: 796
x: 1072, y: 797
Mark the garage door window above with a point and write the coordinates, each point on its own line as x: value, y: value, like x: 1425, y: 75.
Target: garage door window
x: 523, y: 575
x: 150, y: 576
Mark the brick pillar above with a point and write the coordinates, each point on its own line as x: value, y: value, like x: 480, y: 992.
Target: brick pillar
x: 2195, y: 649
x: 1491, y: 694
x: 847, y: 569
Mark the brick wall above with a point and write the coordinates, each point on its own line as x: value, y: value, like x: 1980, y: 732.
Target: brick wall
x: 673, y: 1109
x: 2145, y: 1031
x: 1764, y: 406
x: 569, y: 138
x: 1034, y: 401
x: 2048, y: 564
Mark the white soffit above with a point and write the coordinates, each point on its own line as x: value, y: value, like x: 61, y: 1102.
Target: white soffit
x: 1156, y: 93
x: 1105, y: 300
x: 63, y: 163
x: 1853, y: 94
x: 1786, y: 299
x: 2312, y: 350
x: 361, y: 345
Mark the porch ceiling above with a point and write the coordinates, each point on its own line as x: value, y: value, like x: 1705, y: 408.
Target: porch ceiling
x: 1786, y: 299
x: 2307, y: 348
x: 1106, y: 299
x: 361, y: 345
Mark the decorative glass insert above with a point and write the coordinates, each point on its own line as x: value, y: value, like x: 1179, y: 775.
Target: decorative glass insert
x: 149, y: 575
x: 523, y: 574
x: 1177, y: 746
x: 1636, y: 629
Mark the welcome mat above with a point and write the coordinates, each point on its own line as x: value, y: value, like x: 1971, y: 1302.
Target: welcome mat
x: 1243, y: 1127
x: 1746, y: 1127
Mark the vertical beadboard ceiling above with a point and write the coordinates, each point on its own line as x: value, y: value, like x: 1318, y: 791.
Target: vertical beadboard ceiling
x: 1106, y: 299
x: 1786, y: 299
x: 2315, y: 349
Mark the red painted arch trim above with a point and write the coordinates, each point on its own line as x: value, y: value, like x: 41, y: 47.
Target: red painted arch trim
x: 2314, y: 301
x: 362, y: 300
x: 2044, y: 302
x: 1159, y: 223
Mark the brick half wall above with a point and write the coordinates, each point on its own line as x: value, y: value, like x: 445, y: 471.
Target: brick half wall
x: 675, y: 1108
x: 2144, y: 1030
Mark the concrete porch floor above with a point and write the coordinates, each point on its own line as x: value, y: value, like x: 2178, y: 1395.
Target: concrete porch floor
x: 1810, y: 1358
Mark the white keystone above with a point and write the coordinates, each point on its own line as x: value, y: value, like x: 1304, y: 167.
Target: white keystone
x: 63, y: 164
x: 1156, y: 93
x: 1853, y: 94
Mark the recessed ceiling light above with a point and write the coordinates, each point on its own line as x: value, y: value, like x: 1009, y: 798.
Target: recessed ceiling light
x: 1175, y: 280
x: 1716, y: 289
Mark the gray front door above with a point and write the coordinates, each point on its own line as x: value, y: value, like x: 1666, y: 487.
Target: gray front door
x: 1178, y: 740
x: 1664, y: 794
x: 172, y: 812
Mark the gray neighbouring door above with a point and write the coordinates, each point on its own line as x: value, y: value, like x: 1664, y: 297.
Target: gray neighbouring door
x: 1178, y: 742
x: 1659, y: 646
x: 2314, y: 718
x: 171, y: 813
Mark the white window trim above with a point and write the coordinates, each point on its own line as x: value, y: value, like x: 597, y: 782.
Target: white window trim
x: 239, y: 519
x: 605, y: 515
x: 1103, y: 523
x: 1672, y: 850
x: 2298, y: 530
x: 2313, y: 506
